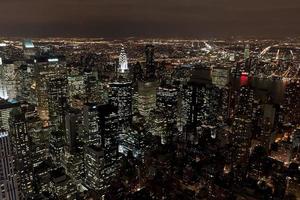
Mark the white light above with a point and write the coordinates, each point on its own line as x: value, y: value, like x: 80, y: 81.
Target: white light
x: 53, y: 60
x: 3, y: 134
x: 3, y: 91
x: 123, y: 62
x: 3, y: 45
x: 0, y: 61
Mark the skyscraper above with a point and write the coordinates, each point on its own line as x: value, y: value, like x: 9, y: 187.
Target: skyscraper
x: 57, y: 101
x: 101, y: 157
x: 21, y: 143
x: 73, y: 125
x: 247, y: 52
x: 120, y: 96
x: 150, y: 63
x: 166, y: 111
x: 5, y: 109
x: 8, y: 177
x: 56, y: 146
x: 241, y: 141
x: 123, y: 62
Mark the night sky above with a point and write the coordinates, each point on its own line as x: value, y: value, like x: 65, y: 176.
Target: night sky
x: 149, y: 18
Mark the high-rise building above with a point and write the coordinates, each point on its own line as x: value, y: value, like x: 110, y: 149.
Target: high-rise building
x: 27, y: 85
x: 244, y: 105
x: 5, y: 109
x: 146, y: 98
x: 29, y: 48
x: 73, y: 120
x: 120, y: 96
x: 133, y: 141
x: 76, y: 87
x: 241, y: 141
x: 91, y: 86
x: 220, y: 77
x: 296, y: 138
x: 37, y: 134
x: 8, y: 81
x: 8, y: 176
x: 56, y: 146
x: 21, y: 143
x: 247, y: 52
x: 123, y: 62
x: 43, y: 71
x: 202, y: 101
x: 166, y: 108
x: 62, y: 185
x: 150, y: 63
x: 291, y: 104
x: 91, y: 124
x: 101, y: 158
x: 57, y: 101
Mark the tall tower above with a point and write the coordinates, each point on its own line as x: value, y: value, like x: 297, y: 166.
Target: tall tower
x: 57, y: 101
x: 120, y: 96
x: 166, y: 111
x: 101, y: 158
x: 21, y: 143
x: 123, y: 61
x: 150, y: 64
x: 241, y: 141
x: 8, y: 178
x: 5, y: 109
x: 247, y: 52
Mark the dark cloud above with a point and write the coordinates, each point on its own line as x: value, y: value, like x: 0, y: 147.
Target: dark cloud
x: 123, y: 18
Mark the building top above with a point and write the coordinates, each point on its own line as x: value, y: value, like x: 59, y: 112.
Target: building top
x: 4, y: 104
x: 123, y: 61
x: 3, y: 133
x: 28, y: 44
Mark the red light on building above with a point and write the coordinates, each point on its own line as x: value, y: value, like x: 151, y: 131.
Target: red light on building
x: 244, y: 79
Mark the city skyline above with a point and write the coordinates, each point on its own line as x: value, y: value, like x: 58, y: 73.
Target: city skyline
x: 149, y: 100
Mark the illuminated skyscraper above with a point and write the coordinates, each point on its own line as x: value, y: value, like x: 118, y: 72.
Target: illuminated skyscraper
x: 241, y: 141
x: 5, y: 109
x: 76, y: 87
x: 62, y: 185
x: 166, y: 109
x: 91, y: 86
x: 244, y: 106
x: 29, y: 48
x: 21, y: 143
x: 120, y: 95
x: 8, y: 81
x: 291, y: 104
x: 101, y: 158
x: 57, y: 101
x: 247, y: 52
x: 73, y: 125
x: 56, y: 146
x: 123, y: 62
x: 90, y: 122
x: 8, y: 177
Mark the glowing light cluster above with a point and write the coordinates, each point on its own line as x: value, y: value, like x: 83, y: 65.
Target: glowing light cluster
x: 123, y: 62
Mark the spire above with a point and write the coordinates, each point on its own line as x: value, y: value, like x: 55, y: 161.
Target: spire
x: 123, y: 62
